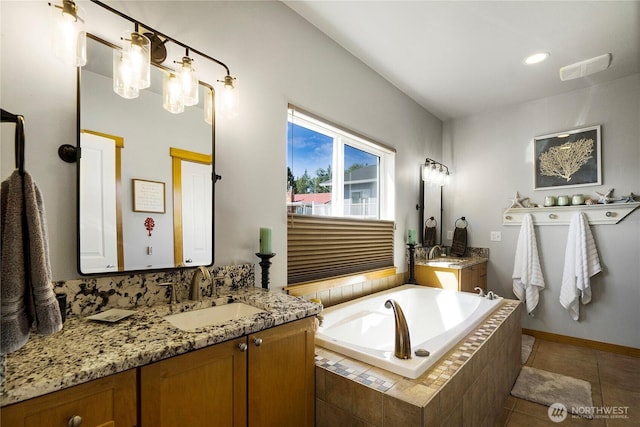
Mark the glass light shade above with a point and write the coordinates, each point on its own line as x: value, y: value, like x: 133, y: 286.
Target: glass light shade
x: 172, y: 99
x: 208, y: 106
x: 138, y: 51
x: 69, y: 37
x: 229, y: 101
x: 122, y: 76
x: 189, y: 81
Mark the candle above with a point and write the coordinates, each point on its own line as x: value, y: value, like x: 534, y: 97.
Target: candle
x: 411, y: 237
x: 265, y: 240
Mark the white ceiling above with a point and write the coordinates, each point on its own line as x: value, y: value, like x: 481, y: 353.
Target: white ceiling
x: 458, y: 58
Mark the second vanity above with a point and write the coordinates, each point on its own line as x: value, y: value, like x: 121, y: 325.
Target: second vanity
x: 460, y: 274
x: 143, y: 371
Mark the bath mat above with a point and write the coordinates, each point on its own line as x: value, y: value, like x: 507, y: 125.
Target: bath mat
x: 548, y: 388
x: 527, y: 346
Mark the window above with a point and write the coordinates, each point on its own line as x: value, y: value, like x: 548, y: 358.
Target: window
x: 315, y: 150
x: 338, y: 223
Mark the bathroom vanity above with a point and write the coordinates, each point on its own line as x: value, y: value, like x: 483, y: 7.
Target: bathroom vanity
x: 460, y: 274
x: 142, y: 371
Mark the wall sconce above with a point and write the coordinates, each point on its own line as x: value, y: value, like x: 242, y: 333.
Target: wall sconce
x: 435, y: 173
x: 69, y: 37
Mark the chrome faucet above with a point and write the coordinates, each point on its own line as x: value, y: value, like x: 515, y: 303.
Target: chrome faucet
x: 402, y: 348
x: 432, y: 251
x: 195, y: 292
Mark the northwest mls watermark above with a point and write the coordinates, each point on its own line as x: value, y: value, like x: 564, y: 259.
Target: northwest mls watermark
x: 558, y: 412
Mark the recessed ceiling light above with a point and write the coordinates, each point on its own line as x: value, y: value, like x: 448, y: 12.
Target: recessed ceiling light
x: 536, y: 58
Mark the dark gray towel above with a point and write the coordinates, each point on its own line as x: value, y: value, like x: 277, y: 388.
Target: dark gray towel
x: 459, y: 242
x: 27, y: 292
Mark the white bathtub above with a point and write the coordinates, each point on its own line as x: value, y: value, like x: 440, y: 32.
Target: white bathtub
x: 363, y: 329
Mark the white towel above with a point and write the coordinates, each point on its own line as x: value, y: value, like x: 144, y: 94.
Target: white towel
x: 581, y: 262
x: 527, y: 274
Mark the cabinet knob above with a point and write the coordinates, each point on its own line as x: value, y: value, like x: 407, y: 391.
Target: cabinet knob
x: 242, y: 347
x: 74, y: 421
x: 257, y: 342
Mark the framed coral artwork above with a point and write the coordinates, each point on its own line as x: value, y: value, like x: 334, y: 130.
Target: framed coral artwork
x: 567, y: 159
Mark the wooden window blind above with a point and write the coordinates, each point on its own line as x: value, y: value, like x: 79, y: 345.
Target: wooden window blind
x: 323, y: 247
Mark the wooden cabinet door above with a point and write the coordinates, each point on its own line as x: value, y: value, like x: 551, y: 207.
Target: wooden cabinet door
x: 107, y: 402
x: 206, y: 387
x: 282, y: 376
x: 438, y: 277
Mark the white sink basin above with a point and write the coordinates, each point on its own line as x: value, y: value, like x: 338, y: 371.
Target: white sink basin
x: 443, y: 263
x: 190, y: 320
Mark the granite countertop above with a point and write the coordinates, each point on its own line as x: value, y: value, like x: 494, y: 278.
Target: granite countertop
x: 86, y: 350
x: 452, y: 262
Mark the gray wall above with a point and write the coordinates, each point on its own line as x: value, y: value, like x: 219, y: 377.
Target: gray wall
x: 491, y: 157
x: 278, y: 58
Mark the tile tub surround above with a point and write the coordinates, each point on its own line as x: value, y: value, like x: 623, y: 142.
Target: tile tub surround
x: 468, y: 386
x: 92, y: 295
x: 86, y: 350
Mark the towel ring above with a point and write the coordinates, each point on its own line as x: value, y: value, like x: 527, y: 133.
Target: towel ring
x: 431, y: 222
x: 463, y: 219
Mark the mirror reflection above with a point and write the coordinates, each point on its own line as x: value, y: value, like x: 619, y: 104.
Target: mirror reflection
x: 432, y: 214
x: 145, y: 196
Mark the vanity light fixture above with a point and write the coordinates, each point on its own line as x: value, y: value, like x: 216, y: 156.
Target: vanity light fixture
x: 131, y: 64
x: 435, y: 173
x: 188, y: 80
x: 69, y: 37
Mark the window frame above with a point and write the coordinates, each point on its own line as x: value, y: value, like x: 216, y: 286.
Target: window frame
x: 341, y: 137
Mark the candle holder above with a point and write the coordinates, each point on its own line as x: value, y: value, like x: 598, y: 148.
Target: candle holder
x: 412, y: 262
x: 265, y: 264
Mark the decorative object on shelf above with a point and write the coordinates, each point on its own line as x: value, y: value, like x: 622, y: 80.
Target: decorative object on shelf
x: 605, y: 197
x: 577, y: 199
x: 563, y: 200
x: 517, y: 201
x: 631, y: 198
x: 549, y: 201
x: 412, y: 262
x: 598, y: 214
x: 265, y: 264
x: 568, y: 159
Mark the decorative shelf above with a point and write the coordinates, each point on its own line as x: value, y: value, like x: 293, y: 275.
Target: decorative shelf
x: 610, y: 213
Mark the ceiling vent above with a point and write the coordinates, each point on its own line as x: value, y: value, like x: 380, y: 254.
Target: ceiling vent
x: 586, y: 67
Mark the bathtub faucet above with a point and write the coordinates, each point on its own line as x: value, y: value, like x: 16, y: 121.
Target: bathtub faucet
x: 402, y: 348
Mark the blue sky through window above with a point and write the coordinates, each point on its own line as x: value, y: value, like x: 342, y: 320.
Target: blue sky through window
x: 309, y: 150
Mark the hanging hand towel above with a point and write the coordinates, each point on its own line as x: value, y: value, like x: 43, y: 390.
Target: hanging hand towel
x: 527, y: 276
x: 459, y: 242
x: 27, y: 292
x: 581, y: 262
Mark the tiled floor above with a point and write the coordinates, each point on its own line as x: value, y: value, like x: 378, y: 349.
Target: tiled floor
x: 614, y: 378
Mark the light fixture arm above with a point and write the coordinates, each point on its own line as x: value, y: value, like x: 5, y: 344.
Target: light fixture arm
x: 158, y: 33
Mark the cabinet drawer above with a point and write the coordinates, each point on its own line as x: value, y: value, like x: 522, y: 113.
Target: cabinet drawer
x: 106, y: 402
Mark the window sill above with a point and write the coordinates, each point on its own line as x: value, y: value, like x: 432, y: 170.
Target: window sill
x: 323, y: 285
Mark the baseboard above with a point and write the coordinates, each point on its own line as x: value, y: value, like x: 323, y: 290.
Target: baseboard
x: 581, y: 342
